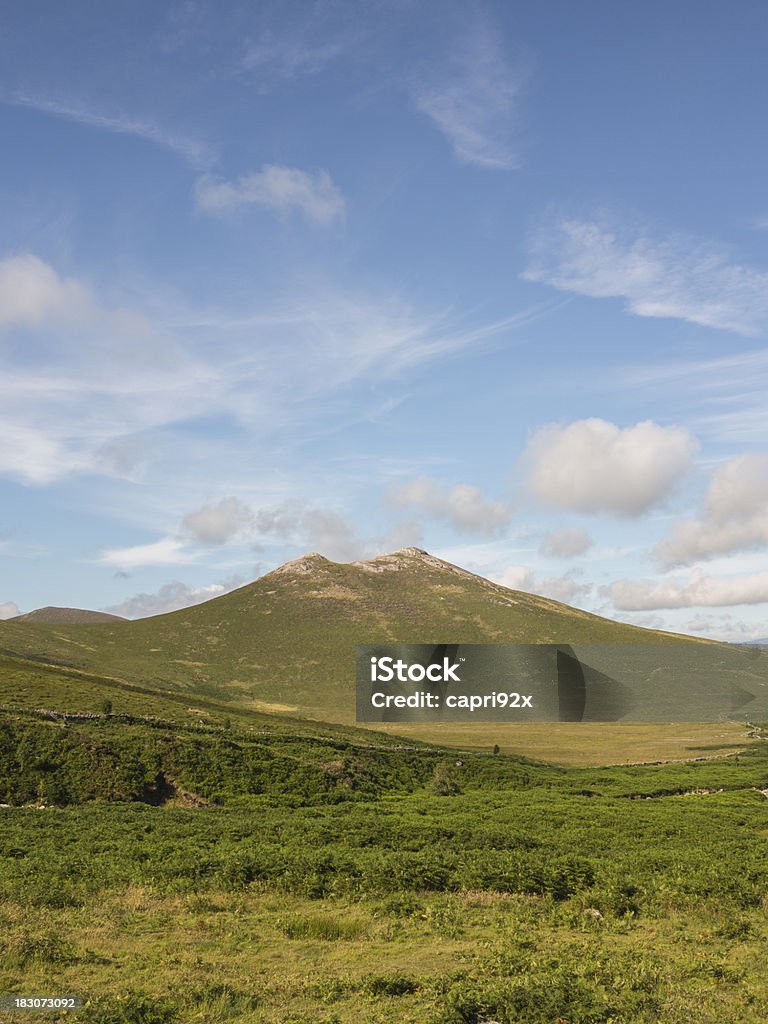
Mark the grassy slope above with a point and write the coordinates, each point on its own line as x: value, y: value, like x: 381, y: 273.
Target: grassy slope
x: 289, y: 638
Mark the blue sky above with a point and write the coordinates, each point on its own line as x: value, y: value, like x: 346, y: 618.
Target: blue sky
x: 489, y: 279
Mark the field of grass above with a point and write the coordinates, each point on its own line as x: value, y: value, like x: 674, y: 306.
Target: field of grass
x: 263, y: 959
x: 588, y: 743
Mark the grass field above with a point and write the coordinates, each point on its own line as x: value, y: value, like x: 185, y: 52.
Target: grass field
x: 262, y: 959
x: 587, y: 743
x: 554, y: 901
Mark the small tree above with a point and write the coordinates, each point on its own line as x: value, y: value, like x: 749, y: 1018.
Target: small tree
x: 106, y: 707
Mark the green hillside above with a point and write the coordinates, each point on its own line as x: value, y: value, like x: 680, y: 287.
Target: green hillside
x: 286, y: 642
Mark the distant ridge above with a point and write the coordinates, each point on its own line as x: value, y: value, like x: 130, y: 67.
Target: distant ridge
x: 52, y: 616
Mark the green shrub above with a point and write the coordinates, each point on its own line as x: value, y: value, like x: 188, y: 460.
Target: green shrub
x: 129, y: 1008
x: 326, y: 927
x: 394, y: 984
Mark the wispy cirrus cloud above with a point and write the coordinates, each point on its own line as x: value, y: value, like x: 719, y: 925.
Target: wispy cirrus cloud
x: 678, y: 276
x: 290, y: 56
x: 281, y: 189
x: 474, y: 101
x: 87, y: 387
x: 166, y: 551
x: 196, y: 153
x: 725, y: 396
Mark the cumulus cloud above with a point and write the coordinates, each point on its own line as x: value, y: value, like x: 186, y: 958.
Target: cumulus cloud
x: 698, y: 590
x: 172, y: 596
x: 321, y: 529
x: 592, y: 465
x: 8, y: 609
x: 734, y: 516
x: 275, y: 188
x: 462, y: 505
x: 217, y: 524
x: 559, y: 588
x: 566, y: 543
x: 475, y: 104
x: 166, y: 551
x: 677, y: 276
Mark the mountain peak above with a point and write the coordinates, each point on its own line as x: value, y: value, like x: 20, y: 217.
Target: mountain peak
x: 304, y: 564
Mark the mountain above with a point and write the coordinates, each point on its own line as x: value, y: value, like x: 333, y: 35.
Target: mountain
x: 287, y: 642
x: 52, y: 616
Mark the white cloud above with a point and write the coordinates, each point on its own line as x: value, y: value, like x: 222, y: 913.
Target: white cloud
x: 32, y: 293
x: 724, y: 627
x: 592, y: 466
x: 28, y: 454
x: 677, y: 276
x: 292, y: 56
x: 566, y: 543
x: 462, y: 505
x: 646, y: 621
x: 734, y: 516
x: 725, y: 395
x: 276, y: 188
x: 172, y: 596
x: 93, y: 390
x: 558, y: 588
x: 326, y: 531
x: 194, y: 152
x: 475, y: 104
x: 217, y: 524
x: 8, y: 609
x: 166, y: 551
x: 696, y: 591
x: 320, y: 529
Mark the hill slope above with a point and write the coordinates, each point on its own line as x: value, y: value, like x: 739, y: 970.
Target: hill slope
x: 286, y: 642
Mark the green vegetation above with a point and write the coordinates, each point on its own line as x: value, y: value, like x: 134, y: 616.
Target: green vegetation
x: 555, y: 898
x: 177, y: 856
x: 281, y: 870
